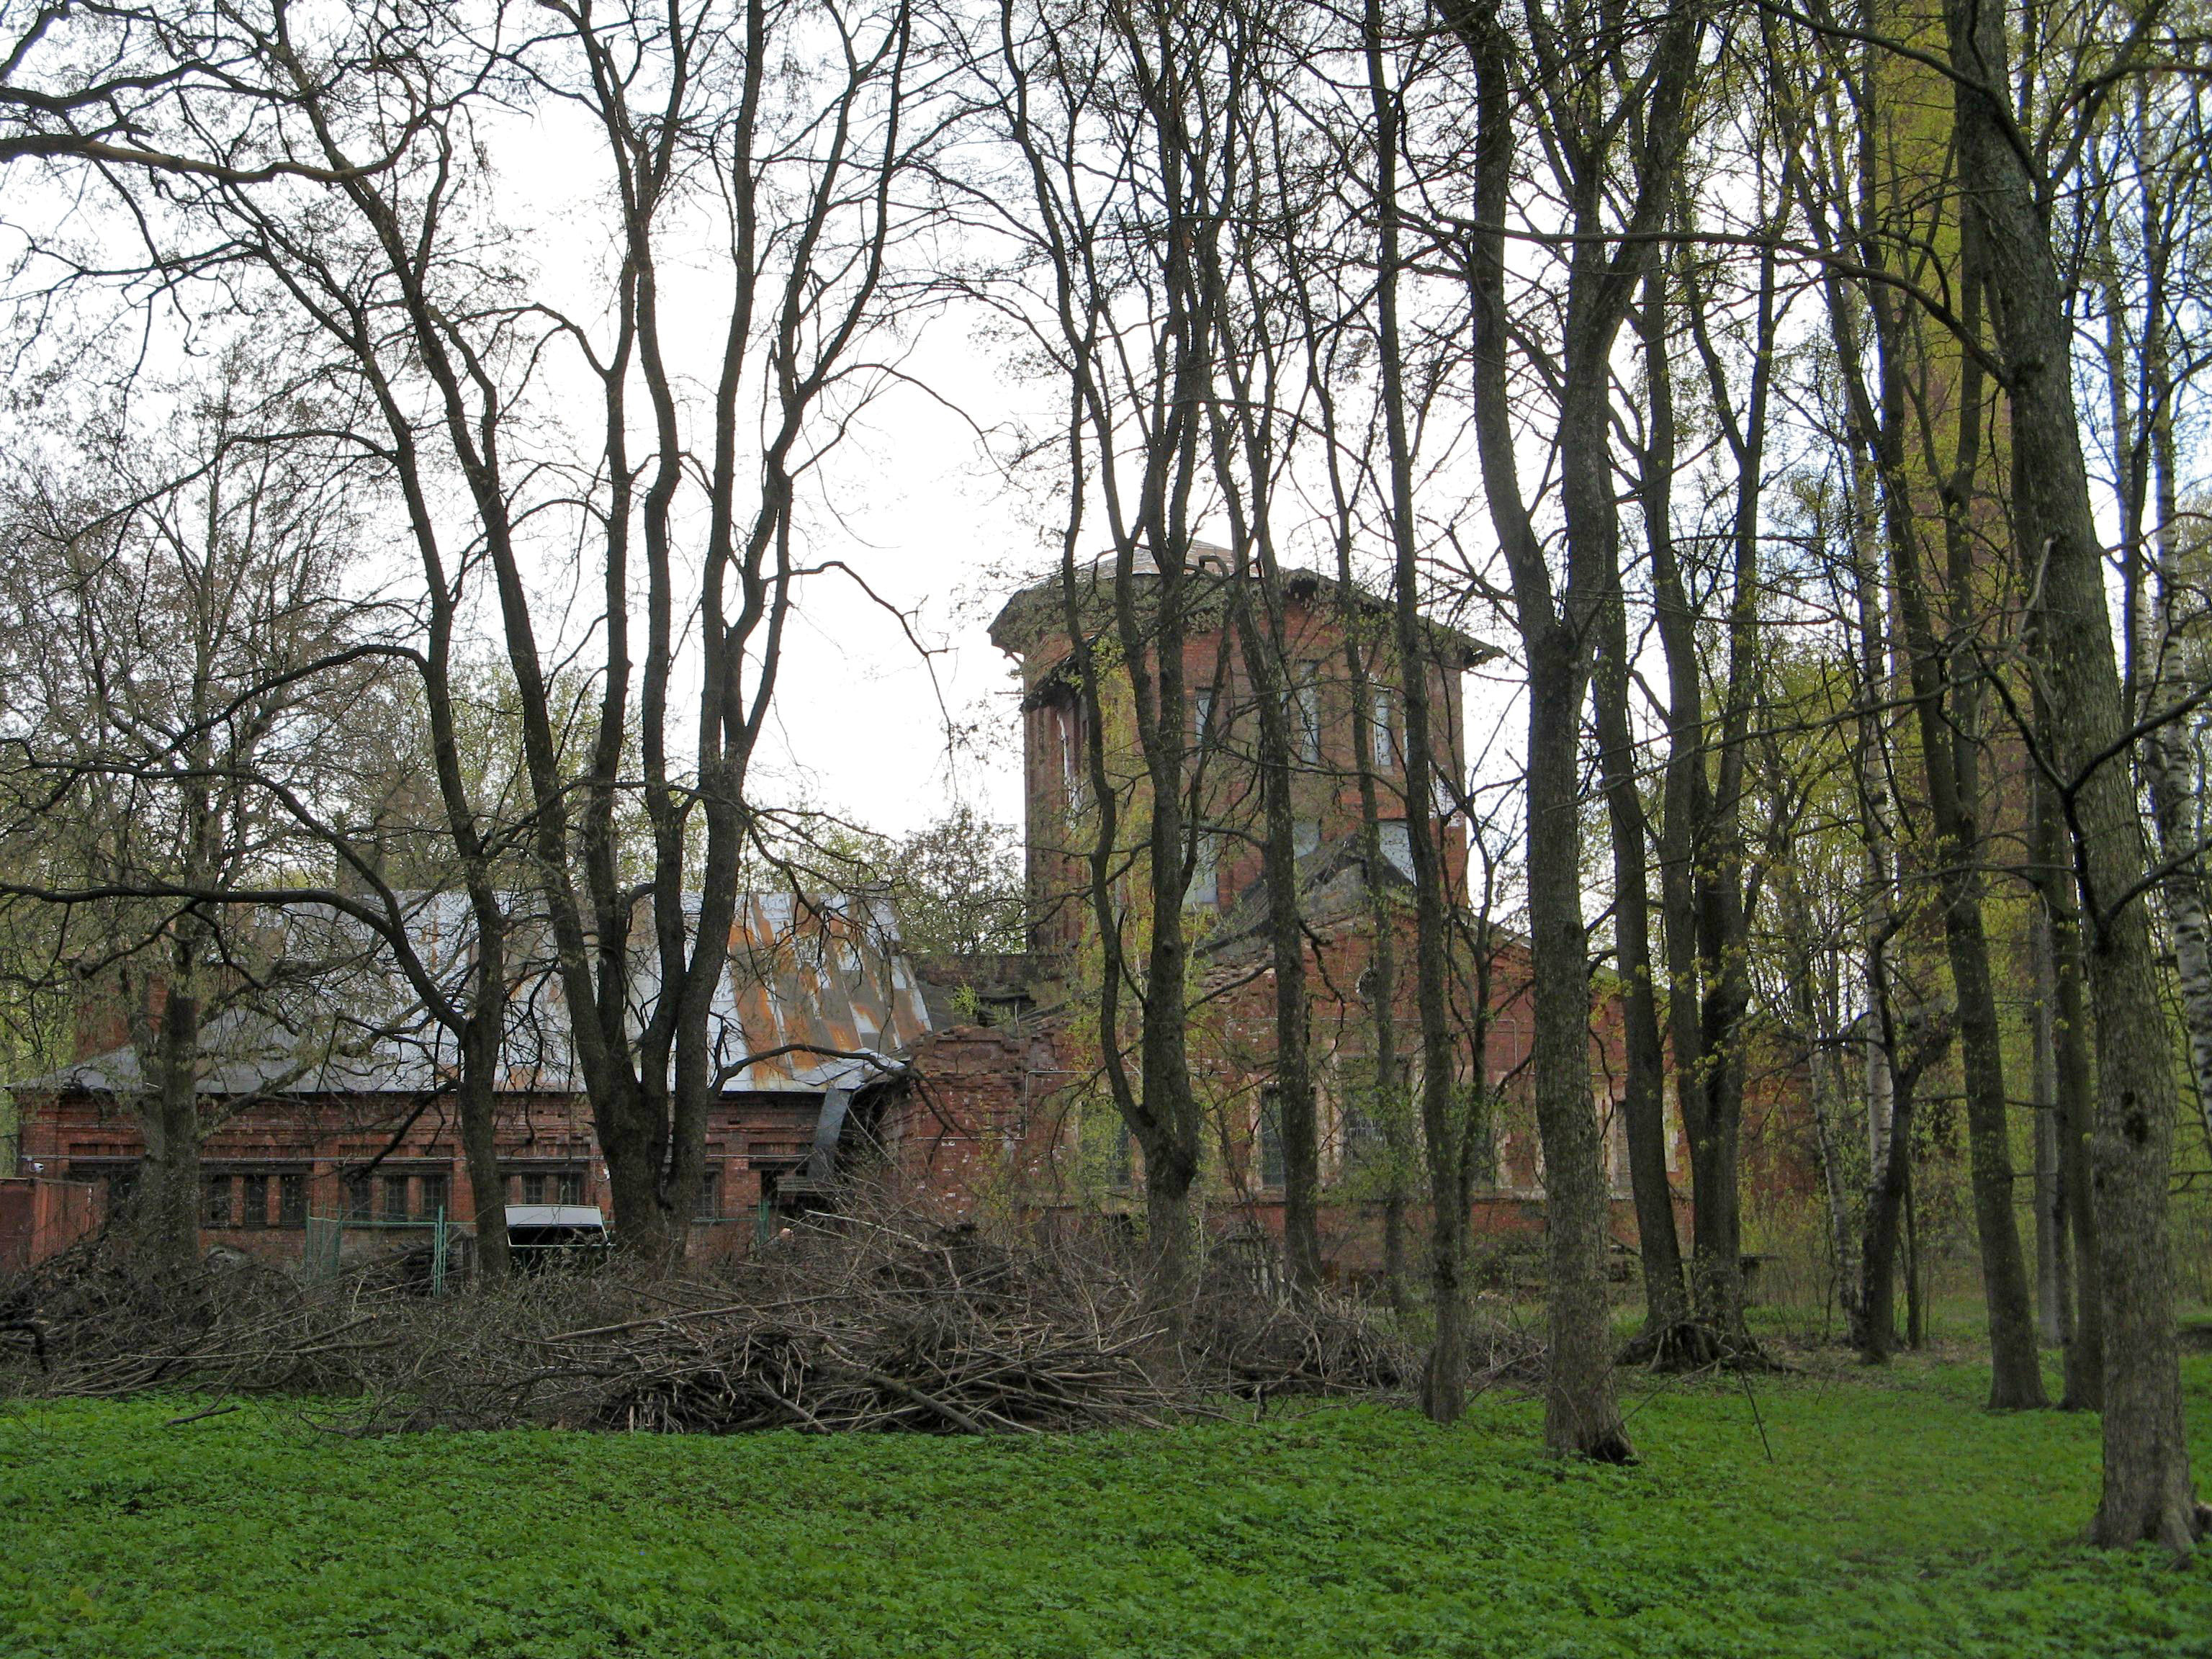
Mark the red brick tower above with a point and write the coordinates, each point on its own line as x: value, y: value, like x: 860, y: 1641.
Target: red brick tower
x: 1326, y: 632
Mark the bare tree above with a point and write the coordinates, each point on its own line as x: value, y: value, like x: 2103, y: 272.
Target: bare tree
x: 1613, y: 120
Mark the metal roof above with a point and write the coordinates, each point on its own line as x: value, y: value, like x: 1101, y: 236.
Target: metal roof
x: 817, y: 986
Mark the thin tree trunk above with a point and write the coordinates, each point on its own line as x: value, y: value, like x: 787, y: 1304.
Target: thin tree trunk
x: 2015, y: 1370
x: 1666, y: 1300
x: 1444, y: 1377
x: 2054, y: 1276
x: 2073, y: 1092
x: 2148, y: 1490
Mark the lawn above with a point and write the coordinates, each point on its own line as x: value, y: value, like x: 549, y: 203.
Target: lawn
x: 1895, y: 1518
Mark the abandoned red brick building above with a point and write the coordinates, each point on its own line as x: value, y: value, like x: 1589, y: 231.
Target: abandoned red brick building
x: 972, y: 1078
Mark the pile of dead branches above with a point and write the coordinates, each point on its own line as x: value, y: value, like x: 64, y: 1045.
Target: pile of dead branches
x: 863, y: 1323
x: 872, y: 1320
x: 97, y: 1320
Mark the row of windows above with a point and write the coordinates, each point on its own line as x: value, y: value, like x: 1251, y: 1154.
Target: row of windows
x: 245, y: 1200
x: 1306, y: 719
x: 279, y: 1197
x: 1382, y: 720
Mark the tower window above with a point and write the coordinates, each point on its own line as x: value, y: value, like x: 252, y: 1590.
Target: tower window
x: 1204, y: 889
x: 1397, y: 845
x: 1382, y: 727
x: 1068, y: 727
x: 1305, y: 709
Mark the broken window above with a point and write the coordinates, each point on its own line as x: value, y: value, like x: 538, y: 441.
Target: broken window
x: 214, y: 1200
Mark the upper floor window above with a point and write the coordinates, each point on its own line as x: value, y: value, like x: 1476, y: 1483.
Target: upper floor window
x: 1305, y: 712
x: 1382, y: 727
x: 1397, y: 843
x: 1069, y: 729
x: 1202, y: 733
x: 1204, y: 891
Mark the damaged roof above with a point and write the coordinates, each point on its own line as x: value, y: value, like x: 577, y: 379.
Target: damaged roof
x: 817, y: 994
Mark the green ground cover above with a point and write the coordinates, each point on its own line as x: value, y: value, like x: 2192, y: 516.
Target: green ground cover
x: 1894, y: 1519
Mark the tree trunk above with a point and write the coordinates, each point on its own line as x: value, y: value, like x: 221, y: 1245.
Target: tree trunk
x: 2015, y: 1370
x: 2054, y: 1276
x: 1580, y: 1414
x: 1666, y: 1302
x: 1884, y: 1229
x: 2148, y: 1490
x: 1444, y: 1377
x: 2074, y: 1090
x: 166, y: 1206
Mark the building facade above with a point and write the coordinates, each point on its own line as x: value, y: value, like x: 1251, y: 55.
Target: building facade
x: 972, y: 1082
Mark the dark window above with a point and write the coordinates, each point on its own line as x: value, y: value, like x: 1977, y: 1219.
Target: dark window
x: 395, y: 1198
x: 1272, y: 1168
x: 533, y: 1187
x: 292, y: 1199
x: 214, y: 1200
x: 256, y: 1192
x: 569, y: 1184
x: 122, y: 1183
x: 359, y: 1198
x: 437, y: 1193
x: 710, y: 1196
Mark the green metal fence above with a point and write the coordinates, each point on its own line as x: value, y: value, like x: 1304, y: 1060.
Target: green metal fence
x: 326, y: 1243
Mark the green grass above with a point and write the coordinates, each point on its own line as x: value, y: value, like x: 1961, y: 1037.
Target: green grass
x: 1895, y: 1519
